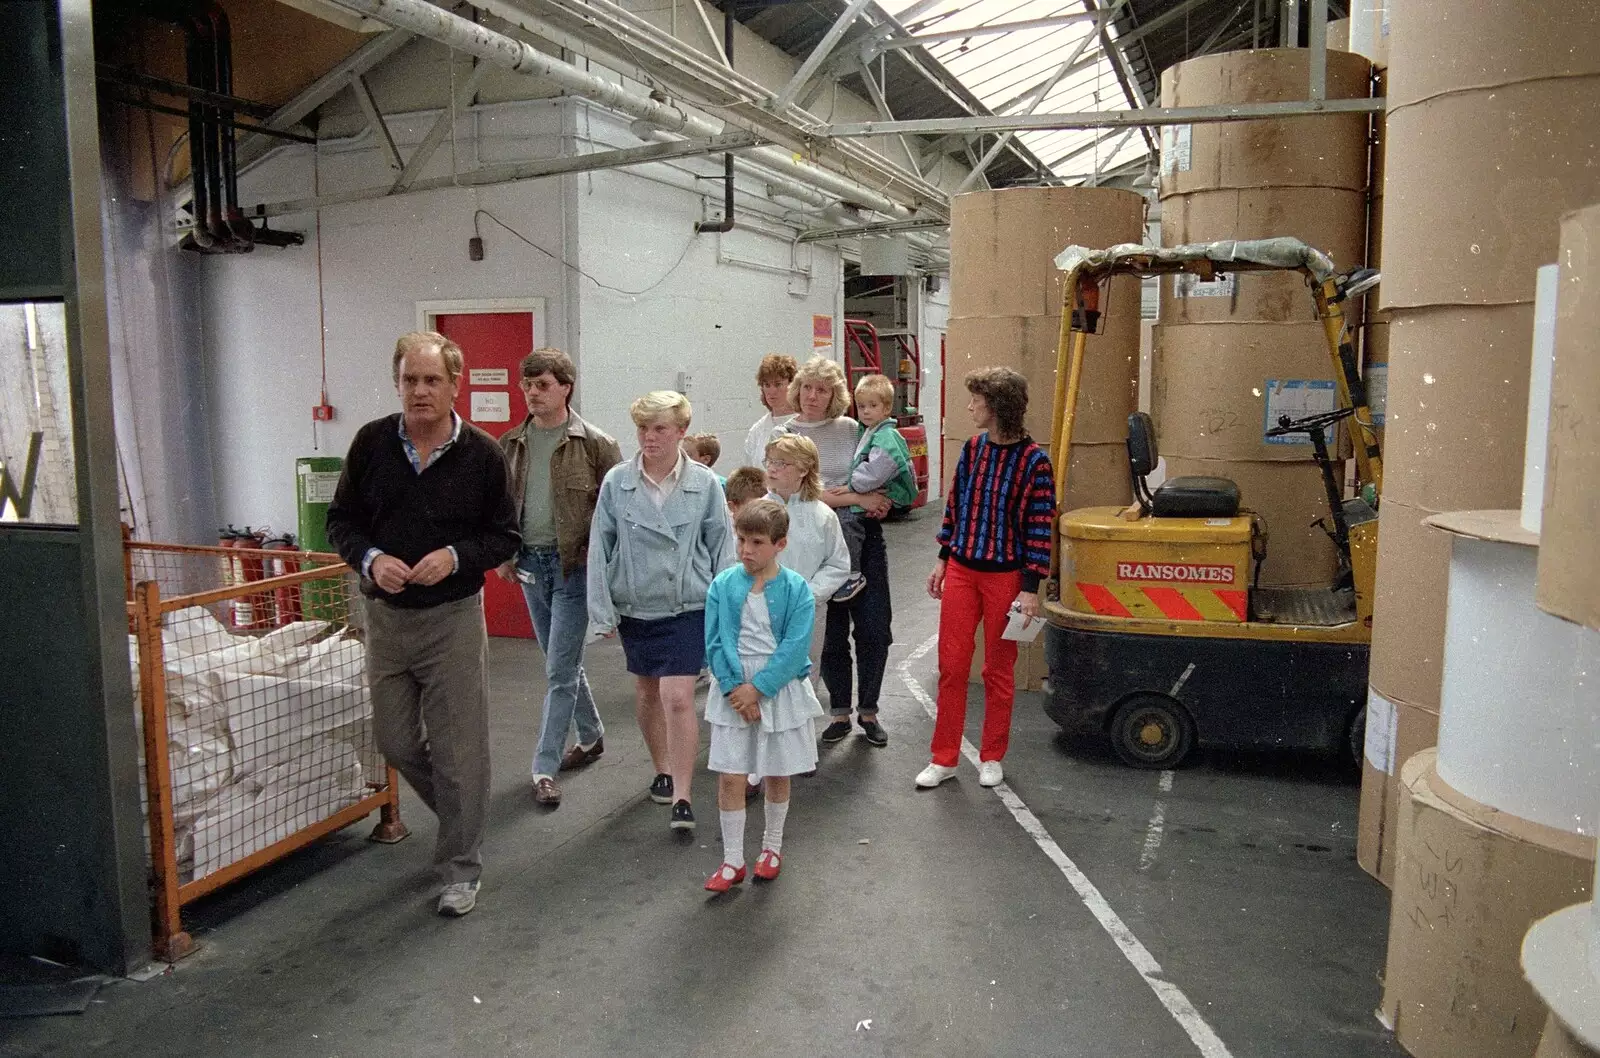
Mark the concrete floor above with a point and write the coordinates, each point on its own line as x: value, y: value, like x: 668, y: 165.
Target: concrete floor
x: 906, y: 922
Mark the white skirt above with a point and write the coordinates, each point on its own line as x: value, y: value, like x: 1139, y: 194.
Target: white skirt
x: 783, y: 742
x: 749, y: 750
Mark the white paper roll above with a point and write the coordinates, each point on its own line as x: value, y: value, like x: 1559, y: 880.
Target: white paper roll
x: 1544, y: 358
x: 1519, y: 725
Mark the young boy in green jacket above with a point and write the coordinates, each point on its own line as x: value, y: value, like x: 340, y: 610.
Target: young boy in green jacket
x: 882, y: 462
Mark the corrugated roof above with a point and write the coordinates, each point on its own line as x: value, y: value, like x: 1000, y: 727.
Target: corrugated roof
x: 1009, y: 71
x: 999, y: 72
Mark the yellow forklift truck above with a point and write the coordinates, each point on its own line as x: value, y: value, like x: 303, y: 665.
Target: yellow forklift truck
x: 1159, y: 636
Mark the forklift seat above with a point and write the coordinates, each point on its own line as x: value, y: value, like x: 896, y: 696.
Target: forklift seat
x: 1186, y: 497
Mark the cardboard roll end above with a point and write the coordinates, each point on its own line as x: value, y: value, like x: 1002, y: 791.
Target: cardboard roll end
x: 1468, y: 883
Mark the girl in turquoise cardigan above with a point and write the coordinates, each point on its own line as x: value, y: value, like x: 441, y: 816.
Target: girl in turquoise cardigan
x: 761, y: 706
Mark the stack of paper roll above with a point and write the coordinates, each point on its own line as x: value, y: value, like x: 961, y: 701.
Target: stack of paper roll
x: 1232, y: 355
x: 1561, y: 953
x: 1005, y: 310
x: 1493, y: 124
x: 1498, y: 830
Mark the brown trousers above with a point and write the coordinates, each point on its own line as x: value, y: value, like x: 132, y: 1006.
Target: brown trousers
x: 428, y: 672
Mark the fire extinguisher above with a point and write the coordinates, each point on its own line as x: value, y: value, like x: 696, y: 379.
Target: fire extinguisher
x: 231, y: 573
x: 251, y: 612
x: 285, y: 600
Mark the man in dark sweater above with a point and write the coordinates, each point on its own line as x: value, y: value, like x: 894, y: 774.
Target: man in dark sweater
x: 423, y: 512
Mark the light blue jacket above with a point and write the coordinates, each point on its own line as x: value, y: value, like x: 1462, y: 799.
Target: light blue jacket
x: 649, y: 563
x: 793, y: 612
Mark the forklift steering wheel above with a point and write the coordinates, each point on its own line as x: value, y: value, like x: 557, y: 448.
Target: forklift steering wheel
x: 1320, y: 421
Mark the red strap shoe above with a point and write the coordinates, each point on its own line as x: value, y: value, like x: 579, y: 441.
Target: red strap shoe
x: 767, y: 865
x: 724, y: 879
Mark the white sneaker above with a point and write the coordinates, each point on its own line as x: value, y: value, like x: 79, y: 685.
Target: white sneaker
x: 990, y: 773
x: 933, y: 775
x: 458, y: 898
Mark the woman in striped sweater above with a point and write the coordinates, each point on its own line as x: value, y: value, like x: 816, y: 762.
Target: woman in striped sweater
x: 994, y: 550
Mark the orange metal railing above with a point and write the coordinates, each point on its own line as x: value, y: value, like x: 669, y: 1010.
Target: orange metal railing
x: 257, y: 724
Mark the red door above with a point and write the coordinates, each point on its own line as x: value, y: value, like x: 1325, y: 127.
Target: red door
x: 493, y: 344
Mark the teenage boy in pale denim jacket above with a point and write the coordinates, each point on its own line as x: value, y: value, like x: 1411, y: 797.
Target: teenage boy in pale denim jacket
x: 660, y: 534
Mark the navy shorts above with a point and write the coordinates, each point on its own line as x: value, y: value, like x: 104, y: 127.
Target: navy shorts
x: 669, y: 646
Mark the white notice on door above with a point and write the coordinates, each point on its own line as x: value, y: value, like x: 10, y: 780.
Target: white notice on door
x: 1175, y: 148
x: 1297, y: 398
x: 488, y: 376
x: 491, y: 407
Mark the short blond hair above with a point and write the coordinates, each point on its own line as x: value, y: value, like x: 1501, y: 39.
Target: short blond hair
x: 769, y: 518
x: 822, y: 369
x: 417, y: 341
x: 661, y: 404
x: 876, y: 387
x: 801, y: 451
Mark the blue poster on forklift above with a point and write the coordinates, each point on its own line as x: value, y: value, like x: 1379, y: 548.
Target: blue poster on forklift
x: 1296, y: 398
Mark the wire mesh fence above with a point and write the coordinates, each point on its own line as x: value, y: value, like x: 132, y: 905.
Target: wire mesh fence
x: 255, y: 715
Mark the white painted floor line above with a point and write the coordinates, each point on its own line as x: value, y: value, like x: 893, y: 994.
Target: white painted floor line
x: 1152, y: 836
x: 1158, y: 825
x: 1170, y: 995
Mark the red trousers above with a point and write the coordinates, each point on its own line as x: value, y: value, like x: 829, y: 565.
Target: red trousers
x: 971, y: 597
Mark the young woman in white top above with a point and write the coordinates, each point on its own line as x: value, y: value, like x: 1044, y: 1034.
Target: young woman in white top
x: 816, y: 548
x: 773, y: 376
x: 819, y: 391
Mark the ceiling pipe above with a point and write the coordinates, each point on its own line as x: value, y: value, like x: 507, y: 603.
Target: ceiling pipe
x: 726, y: 223
x: 206, y: 193
x: 425, y: 19
x: 219, y: 227
x: 241, y: 230
x: 787, y: 126
x: 624, y: 26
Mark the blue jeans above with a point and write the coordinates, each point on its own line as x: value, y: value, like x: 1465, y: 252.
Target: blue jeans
x: 559, y: 606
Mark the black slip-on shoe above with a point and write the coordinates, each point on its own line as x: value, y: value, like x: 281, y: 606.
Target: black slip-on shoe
x: 682, y: 816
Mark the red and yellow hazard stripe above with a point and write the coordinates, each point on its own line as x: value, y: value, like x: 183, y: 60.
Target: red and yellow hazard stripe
x: 1187, y: 603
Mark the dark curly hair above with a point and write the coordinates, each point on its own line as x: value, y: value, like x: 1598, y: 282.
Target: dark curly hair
x: 1006, y: 393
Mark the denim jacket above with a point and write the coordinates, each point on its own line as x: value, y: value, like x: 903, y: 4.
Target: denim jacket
x: 650, y: 563
x: 793, y: 613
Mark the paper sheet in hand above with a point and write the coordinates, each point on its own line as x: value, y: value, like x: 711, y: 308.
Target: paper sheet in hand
x: 1015, y: 630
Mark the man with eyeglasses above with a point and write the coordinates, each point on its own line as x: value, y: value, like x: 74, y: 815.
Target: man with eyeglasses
x: 557, y: 462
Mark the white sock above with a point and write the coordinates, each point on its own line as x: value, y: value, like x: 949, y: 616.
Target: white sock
x: 777, y: 812
x: 733, y: 838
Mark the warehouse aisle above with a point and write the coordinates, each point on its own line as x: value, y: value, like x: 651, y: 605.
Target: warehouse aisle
x: 906, y: 922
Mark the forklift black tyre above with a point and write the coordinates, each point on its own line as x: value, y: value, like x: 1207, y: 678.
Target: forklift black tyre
x: 1151, y: 730
x: 1356, y: 738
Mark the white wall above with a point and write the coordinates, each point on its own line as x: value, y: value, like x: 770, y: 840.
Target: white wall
x: 379, y: 259
x: 731, y: 299
x: 723, y: 301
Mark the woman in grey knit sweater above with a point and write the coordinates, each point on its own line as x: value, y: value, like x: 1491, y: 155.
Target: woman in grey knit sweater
x: 821, y: 394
